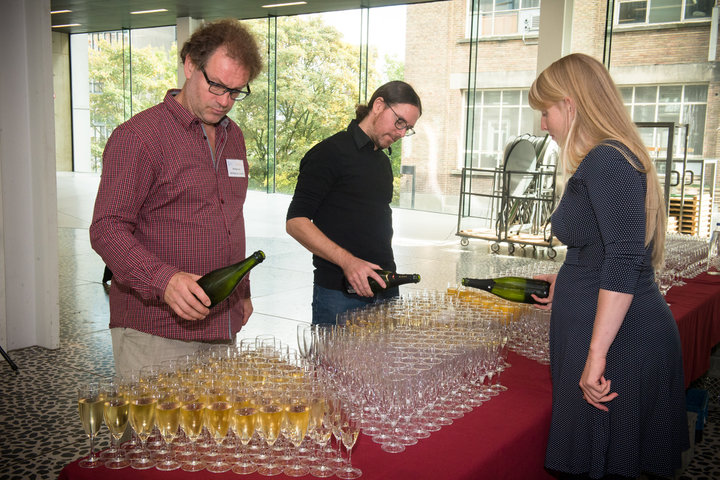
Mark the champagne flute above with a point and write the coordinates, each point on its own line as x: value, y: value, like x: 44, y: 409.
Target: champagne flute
x: 270, y: 417
x: 90, y: 409
x: 217, y: 421
x: 244, y: 422
x: 167, y: 420
x: 321, y: 433
x: 350, y: 430
x: 298, y: 417
x: 143, y: 401
x: 191, y: 419
x: 116, y: 409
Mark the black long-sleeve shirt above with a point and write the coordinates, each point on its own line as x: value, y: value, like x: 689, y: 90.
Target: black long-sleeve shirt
x: 345, y: 187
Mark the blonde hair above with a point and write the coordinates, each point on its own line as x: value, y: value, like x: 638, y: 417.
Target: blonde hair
x: 600, y: 118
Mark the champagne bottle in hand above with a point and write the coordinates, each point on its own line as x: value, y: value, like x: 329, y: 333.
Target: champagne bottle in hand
x: 220, y: 283
x: 391, y: 279
x: 515, y: 289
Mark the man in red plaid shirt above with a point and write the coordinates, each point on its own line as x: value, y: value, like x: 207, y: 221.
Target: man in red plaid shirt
x: 170, y: 206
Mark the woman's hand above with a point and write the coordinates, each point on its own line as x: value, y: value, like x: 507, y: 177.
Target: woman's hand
x: 594, y: 386
x: 546, y: 303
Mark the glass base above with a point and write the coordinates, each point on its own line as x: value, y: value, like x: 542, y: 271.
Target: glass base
x: 90, y: 462
x: 117, y: 463
x: 322, y: 471
x: 349, y: 473
x: 142, y: 463
x: 244, y: 468
x: 218, y: 467
x: 393, y: 447
x: 194, y: 466
x: 296, y: 471
x: 270, y: 470
x: 167, y: 465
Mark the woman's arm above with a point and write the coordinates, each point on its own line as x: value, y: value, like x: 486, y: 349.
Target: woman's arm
x: 611, y: 310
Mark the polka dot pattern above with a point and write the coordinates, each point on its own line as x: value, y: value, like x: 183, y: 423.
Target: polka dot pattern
x: 601, y: 218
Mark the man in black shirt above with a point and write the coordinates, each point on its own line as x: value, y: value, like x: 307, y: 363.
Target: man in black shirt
x: 341, y: 207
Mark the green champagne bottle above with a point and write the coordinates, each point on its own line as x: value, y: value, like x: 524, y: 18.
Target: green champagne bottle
x: 391, y: 279
x: 516, y: 289
x: 220, y: 283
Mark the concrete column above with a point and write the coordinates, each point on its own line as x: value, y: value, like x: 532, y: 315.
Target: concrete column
x: 184, y: 28
x: 28, y: 209
x: 554, y: 38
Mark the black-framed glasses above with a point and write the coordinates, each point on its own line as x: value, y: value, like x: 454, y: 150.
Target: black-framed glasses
x: 219, y: 89
x: 401, y: 123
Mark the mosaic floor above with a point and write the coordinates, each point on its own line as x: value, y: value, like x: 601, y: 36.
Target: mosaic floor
x: 39, y: 428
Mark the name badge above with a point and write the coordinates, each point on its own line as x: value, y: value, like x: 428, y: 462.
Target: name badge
x: 236, y: 168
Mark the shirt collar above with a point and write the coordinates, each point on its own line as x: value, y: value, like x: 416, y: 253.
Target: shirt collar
x: 181, y: 114
x: 358, y: 135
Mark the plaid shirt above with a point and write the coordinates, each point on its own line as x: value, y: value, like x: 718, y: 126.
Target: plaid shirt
x: 165, y: 205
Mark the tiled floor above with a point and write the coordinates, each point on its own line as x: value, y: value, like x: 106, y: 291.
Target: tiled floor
x: 39, y: 428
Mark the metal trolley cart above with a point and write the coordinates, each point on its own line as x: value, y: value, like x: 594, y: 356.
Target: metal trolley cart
x: 512, y: 204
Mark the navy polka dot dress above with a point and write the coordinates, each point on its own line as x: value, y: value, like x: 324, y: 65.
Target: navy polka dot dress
x: 601, y: 218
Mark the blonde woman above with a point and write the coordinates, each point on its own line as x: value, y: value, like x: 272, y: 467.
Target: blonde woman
x: 618, y: 387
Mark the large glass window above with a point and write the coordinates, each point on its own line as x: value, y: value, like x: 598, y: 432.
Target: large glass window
x: 662, y: 11
x: 505, y: 17
x: 681, y: 104
x: 499, y: 115
x: 115, y: 75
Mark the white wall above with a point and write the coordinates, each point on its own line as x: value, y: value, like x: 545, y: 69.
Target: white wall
x: 28, y: 212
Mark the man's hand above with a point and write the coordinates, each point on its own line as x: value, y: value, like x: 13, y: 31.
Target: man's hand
x: 357, y: 272
x: 184, y: 296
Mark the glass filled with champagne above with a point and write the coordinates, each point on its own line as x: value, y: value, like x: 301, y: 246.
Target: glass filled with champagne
x: 217, y: 421
x: 244, y: 422
x: 297, y: 420
x: 90, y: 409
x: 143, y: 403
x: 167, y: 420
x: 116, y: 409
x: 192, y: 412
x: 270, y: 417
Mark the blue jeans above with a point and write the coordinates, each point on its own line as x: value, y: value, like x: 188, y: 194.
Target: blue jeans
x: 328, y: 303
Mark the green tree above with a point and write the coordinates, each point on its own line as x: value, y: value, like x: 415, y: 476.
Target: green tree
x: 317, y: 90
x: 153, y: 72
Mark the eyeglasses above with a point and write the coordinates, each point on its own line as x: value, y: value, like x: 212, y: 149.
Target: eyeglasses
x: 401, y: 123
x: 219, y: 89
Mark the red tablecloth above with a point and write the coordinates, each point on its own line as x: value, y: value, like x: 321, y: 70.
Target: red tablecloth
x: 696, y: 308
x: 503, y: 439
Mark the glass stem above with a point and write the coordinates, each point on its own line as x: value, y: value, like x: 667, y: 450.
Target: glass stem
x: 92, y: 447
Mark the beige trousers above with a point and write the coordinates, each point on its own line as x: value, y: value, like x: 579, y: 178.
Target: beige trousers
x: 133, y: 350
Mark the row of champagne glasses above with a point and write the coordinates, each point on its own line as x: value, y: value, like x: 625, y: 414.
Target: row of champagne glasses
x: 254, y: 407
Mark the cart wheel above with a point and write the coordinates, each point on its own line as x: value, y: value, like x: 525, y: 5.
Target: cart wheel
x: 511, y: 248
x: 551, y: 252
x: 495, y: 247
x: 464, y: 242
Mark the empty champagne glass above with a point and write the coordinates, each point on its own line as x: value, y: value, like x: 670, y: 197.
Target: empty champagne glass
x: 321, y: 433
x: 116, y: 409
x: 90, y: 409
x: 350, y: 430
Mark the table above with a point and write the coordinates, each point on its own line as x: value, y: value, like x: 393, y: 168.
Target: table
x: 504, y: 438
x: 696, y: 308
